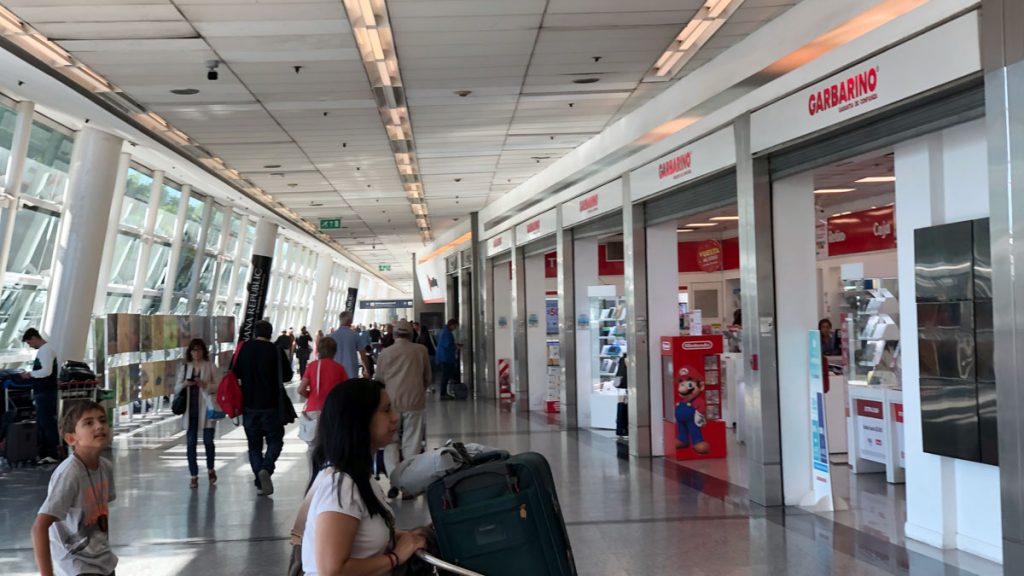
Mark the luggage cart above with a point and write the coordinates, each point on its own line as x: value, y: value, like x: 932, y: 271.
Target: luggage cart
x: 442, y: 567
x: 77, y: 390
x: 17, y: 401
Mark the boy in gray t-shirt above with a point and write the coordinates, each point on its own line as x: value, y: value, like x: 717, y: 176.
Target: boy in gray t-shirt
x: 71, y: 530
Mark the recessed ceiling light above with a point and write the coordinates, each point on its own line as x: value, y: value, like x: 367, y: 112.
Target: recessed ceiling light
x: 725, y: 218
x: 683, y: 230
x: 586, y: 80
x: 833, y: 190
x: 701, y: 225
x: 271, y: 165
x: 876, y: 179
x: 185, y: 91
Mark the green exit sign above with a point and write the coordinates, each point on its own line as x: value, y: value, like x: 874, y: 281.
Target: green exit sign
x: 384, y: 267
x: 330, y: 223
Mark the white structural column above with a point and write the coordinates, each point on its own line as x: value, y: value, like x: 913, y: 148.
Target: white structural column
x: 197, y: 266
x: 93, y: 175
x: 142, y: 267
x: 585, y: 276
x: 243, y: 232
x: 259, y: 276
x: 322, y: 289
x: 796, y: 267
x: 176, y: 241
x: 219, y: 263
x: 662, y: 294
x: 13, y: 178
x: 116, y: 204
x: 536, y: 330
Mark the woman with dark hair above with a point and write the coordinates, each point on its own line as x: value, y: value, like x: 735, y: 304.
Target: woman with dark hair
x: 196, y: 380
x: 350, y: 529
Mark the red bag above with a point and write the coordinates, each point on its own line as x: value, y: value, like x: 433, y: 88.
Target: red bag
x: 229, y: 391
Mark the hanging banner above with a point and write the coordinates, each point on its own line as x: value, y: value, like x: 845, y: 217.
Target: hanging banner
x: 709, y: 256
x: 350, y: 300
x: 256, y: 298
x: 551, y: 265
x: 820, y: 471
x: 865, y: 231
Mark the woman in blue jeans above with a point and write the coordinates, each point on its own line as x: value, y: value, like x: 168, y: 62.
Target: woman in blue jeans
x: 196, y: 381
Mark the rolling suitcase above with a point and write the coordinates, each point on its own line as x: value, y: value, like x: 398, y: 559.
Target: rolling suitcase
x: 21, y: 443
x: 502, y: 518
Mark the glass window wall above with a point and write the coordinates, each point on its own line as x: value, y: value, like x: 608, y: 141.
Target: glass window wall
x: 47, y: 163
x: 8, y: 117
x: 167, y: 215
x: 35, y: 237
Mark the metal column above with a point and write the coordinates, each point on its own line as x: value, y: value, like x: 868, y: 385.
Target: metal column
x: 1002, y: 33
x: 634, y: 236
x: 521, y: 366
x: 757, y: 289
x: 13, y: 178
x: 566, y: 322
x: 465, y: 280
x: 483, y: 360
x: 485, y: 335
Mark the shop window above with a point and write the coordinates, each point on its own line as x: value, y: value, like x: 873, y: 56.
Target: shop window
x: 125, y: 259
x: 157, y: 273
x: 21, y: 306
x: 215, y: 229
x: 167, y: 215
x: 35, y: 236
x: 193, y: 220
x: 47, y: 163
x: 7, y: 119
x: 117, y: 303
x: 136, y: 199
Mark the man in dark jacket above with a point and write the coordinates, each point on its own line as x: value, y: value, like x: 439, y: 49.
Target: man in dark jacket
x: 262, y: 370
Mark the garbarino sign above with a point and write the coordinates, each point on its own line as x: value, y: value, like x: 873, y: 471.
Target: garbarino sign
x: 708, y: 155
x: 594, y: 203
x: 854, y: 91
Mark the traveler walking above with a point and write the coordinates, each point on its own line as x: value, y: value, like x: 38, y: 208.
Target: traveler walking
x: 348, y: 525
x: 446, y: 356
x: 291, y: 346
x: 349, y: 354
x: 303, y: 349
x: 317, y: 382
x: 43, y: 377
x: 285, y: 344
x: 262, y: 370
x: 388, y: 338
x: 405, y: 371
x: 195, y: 380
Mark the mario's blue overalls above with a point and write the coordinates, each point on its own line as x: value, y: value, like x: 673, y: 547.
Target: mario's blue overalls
x: 687, y: 431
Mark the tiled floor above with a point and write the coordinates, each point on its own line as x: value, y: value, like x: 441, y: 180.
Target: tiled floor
x: 642, y: 517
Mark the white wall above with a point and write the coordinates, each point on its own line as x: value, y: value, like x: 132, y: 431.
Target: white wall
x: 536, y: 336
x: 662, y: 316
x: 585, y: 274
x: 796, y: 310
x: 950, y: 503
x: 503, y: 336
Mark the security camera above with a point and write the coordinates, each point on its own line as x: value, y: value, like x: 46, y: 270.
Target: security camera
x: 211, y: 69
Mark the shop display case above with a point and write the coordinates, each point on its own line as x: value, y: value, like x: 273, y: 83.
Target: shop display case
x: 870, y: 331
x: 554, y: 371
x: 608, y: 316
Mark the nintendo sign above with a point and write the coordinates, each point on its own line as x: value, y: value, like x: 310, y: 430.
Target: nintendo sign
x: 888, y: 78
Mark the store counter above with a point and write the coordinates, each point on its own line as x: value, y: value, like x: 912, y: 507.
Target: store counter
x: 604, y: 406
x: 875, y: 429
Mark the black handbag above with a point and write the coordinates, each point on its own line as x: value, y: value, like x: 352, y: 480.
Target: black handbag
x: 180, y: 402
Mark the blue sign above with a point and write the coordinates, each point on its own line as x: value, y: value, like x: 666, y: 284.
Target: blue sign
x: 382, y: 304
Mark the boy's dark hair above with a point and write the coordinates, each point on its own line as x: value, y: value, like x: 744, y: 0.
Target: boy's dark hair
x: 263, y: 329
x: 30, y: 334
x: 74, y: 411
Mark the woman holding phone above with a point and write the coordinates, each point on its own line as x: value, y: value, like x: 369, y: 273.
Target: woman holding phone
x: 201, y: 413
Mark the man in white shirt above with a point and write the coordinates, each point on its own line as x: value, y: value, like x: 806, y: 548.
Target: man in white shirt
x: 44, y: 395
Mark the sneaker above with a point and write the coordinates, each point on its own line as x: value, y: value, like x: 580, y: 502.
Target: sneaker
x: 48, y: 460
x: 266, y: 485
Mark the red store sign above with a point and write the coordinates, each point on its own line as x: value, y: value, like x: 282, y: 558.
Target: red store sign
x: 497, y: 242
x: 677, y: 167
x: 589, y: 204
x: 709, y: 256
x: 865, y: 231
x: 847, y: 94
x: 533, y: 226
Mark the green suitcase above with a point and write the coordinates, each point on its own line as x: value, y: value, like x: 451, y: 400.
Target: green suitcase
x: 502, y: 518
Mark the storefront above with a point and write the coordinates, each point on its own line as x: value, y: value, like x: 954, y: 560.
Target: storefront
x: 498, y: 251
x: 537, y: 259
x: 863, y: 167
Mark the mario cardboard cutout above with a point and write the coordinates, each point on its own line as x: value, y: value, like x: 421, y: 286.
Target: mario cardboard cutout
x: 690, y: 414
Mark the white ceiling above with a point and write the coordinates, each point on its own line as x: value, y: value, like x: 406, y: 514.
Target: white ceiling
x: 314, y: 139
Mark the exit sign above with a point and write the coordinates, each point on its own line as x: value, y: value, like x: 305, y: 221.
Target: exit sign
x: 330, y: 223
x: 384, y: 267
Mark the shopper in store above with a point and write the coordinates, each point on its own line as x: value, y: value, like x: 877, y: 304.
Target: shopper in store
x: 349, y: 527
x: 196, y: 382
x: 303, y: 349
x: 350, y: 355
x: 320, y: 377
x: 43, y: 377
x: 446, y: 357
x: 830, y: 346
x: 262, y: 369
x: 405, y: 371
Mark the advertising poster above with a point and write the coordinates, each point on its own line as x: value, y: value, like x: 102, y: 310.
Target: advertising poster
x: 870, y: 426
x: 350, y: 299
x: 128, y: 338
x: 864, y: 231
x: 820, y: 470
x: 146, y: 332
x: 256, y: 294
x: 171, y: 332
x: 112, y: 334
x: 430, y: 275
x: 551, y: 315
x: 150, y: 380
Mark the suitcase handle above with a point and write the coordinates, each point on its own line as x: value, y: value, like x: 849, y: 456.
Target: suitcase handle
x: 437, y: 563
x: 450, y: 482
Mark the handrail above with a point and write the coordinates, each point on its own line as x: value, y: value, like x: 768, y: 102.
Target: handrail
x: 446, y: 566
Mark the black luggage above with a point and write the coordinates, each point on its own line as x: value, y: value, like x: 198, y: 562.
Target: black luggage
x: 502, y: 518
x: 21, y: 442
x: 73, y: 371
x: 459, y: 390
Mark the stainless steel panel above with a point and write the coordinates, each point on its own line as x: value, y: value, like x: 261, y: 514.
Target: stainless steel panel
x: 634, y: 227
x: 945, y: 335
x: 949, y: 419
x: 987, y: 423
x: 982, y: 260
x: 520, y: 355
x: 568, y: 419
x: 984, y: 341
x: 943, y: 263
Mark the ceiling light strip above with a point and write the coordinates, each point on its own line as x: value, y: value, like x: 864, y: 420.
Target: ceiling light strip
x: 708, y: 19
x: 371, y: 29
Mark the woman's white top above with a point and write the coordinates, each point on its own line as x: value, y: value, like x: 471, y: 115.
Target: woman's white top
x: 372, y: 537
